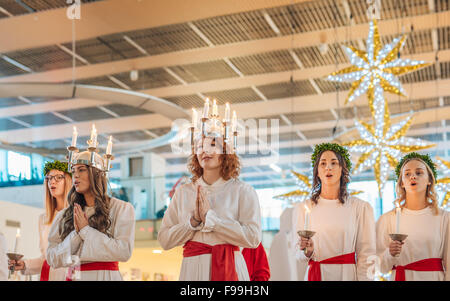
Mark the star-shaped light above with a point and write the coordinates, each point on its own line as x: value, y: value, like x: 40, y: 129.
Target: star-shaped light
x: 304, y: 191
x: 383, y: 152
x: 375, y: 71
x: 443, y: 184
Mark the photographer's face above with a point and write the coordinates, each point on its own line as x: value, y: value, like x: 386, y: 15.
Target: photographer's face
x: 208, y: 153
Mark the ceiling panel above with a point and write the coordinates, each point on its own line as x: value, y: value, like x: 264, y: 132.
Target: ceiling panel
x: 188, y: 101
x: 7, y: 69
x: 10, y: 102
x: 234, y: 96
x: 287, y: 89
x: 6, y: 125
x: 276, y: 61
x: 124, y: 110
x: 41, y: 119
x: 204, y: 71
x: 86, y: 114
x: 148, y: 79
x: 309, y: 117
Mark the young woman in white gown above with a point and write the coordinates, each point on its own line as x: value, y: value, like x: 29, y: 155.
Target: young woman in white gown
x: 57, y: 183
x: 425, y: 254
x: 213, y: 217
x: 96, y: 229
x: 344, y: 241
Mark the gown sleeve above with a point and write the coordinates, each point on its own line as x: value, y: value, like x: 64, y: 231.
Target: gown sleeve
x: 33, y: 266
x: 59, y: 251
x: 176, y: 228
x: 3, y: 259
x: 98, y: 246
x: 446, y: 256
x: 257, y: 264
x: 387, y: 261
x: 365, y: 241
x: 244, y: 232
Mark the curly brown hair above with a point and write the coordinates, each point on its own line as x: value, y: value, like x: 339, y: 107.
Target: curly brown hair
x: 345, y: 179
x: 100, y: 220
x: 230, y: 166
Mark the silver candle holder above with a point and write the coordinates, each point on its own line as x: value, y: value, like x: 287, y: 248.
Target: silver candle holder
x: 16, y: 257
x: 72, y: 149
x: 306, y: 234
x: 398, y: 237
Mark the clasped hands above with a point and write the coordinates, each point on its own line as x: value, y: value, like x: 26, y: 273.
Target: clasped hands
x: 201, y: 208
x: 80, y: 219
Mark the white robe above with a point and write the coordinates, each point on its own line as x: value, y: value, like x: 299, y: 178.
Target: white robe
x: 234, y: 218
x: 428, y: 237
x: 90, y: 245
x: 3, y: 259
x: 34, y: 266
x: 340, y: 229
x: 282, y: 261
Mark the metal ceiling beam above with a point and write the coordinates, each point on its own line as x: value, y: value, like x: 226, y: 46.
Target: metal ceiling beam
x: 204, y: 54
x: 114, y: 16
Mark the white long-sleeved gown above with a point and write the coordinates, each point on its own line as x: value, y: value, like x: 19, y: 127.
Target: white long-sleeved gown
x: 340, y: 229
x: 91, y: 245
x: 428, y: 237
x: 234, y: 218
x: 33, y: 266
x: 3, y: 259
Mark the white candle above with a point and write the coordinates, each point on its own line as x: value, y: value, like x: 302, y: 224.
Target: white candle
x: 16, y: 244
x: 215, y: 109
x: 109, y: 147
x: 397, y: 218
x: 306, y: 218
x: 74, y: 136
x: 194, y: 118
x: 234, y: 122
x: 206, y: 108
x: 93, y: 136
x: 227, y: 112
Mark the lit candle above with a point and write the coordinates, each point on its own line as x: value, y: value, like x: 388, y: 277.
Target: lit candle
x: 397, y: 217
x: 234, y: 122
x: 194, y: 118
x: 306, y: 218
x: 227, y: 112
x: 74, y: 136
x: 94, y: 136
x: 206, y: 108
x: 16, y: 244
x: 215, y: 109
x: 109, y: 147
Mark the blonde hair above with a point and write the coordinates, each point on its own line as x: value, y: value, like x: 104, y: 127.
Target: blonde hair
x: 50, y: 201
x: 430, y: 194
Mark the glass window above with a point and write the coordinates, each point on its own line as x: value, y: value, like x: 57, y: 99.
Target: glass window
x: 19, y: 165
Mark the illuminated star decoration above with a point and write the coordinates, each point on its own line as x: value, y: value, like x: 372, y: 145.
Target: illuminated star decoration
x: 374, y: 72
x: 304, y: 191
x: 383, y: 152
x: 443, y: 184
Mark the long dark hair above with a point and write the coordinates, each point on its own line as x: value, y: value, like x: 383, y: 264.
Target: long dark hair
x: 317, y: 184
x: 100, y: 219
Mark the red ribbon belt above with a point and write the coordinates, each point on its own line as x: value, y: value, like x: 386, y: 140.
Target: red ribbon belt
x: 95, y: 266
x: 424, y: 265
x: 223, y: 267
x: 314, y: 273
x: 45, y: 271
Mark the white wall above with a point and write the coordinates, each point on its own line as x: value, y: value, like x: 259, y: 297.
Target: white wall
x: 30, y: 195
x: 29, y: 231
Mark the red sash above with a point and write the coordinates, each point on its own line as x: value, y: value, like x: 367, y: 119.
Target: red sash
x: 96, y: 266
x: 314, y: 273
x: 222, y: 259
x: 45, y: 271
x: 424, y: 265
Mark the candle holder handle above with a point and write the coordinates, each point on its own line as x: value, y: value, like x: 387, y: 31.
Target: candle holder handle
x: 306, y: 234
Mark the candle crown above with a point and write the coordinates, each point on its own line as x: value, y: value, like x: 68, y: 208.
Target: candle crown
x: 90, y: 156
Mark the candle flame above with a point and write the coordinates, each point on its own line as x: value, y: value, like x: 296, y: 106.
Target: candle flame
x: 207, y: 100
x: 397, y: 204
x: 18, y: 232
x: 227, y: 105
x: 110, y: 138
x: 75, y: 129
